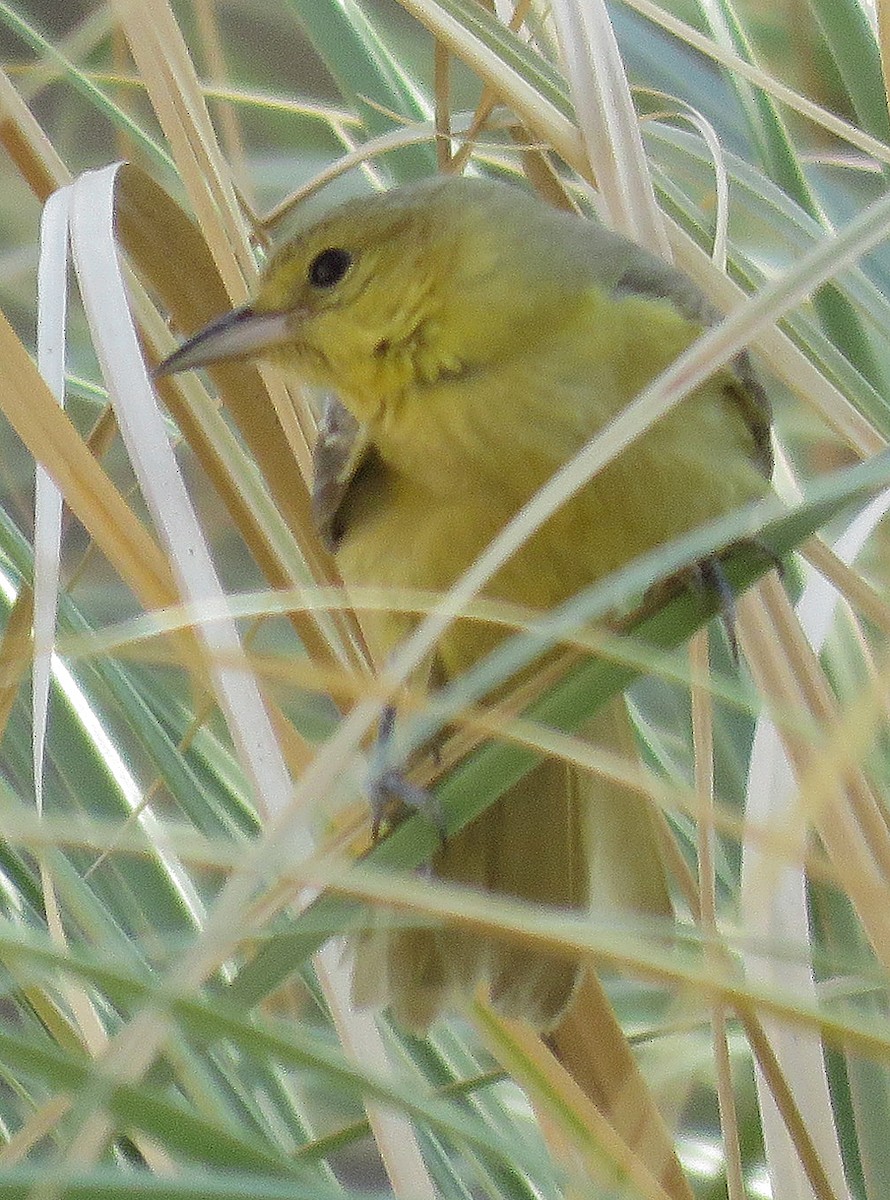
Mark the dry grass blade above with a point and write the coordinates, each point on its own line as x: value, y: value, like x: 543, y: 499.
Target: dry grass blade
x: 166, y: 68
x: 15, y: 653
x: 548, y: 123
x: 608, y: 120
x: 703, y: 751
x: 36, y: 417
x: 835, y: 796
x: 593, y: 1049
x: 27, y: 144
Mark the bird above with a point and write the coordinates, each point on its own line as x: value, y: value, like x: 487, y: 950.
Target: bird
x: 472, y: 339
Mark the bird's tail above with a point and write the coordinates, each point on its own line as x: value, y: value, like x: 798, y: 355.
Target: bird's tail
x: 560, y: 837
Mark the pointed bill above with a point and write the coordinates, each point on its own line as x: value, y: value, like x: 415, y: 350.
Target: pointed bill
x: 239, y: 334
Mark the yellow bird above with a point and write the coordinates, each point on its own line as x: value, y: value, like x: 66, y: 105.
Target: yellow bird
x: 476, y: 339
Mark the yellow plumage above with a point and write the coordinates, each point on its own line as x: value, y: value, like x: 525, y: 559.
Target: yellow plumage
x: 476, y: 339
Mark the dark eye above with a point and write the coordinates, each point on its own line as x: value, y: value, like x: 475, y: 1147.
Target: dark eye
x: 329, y: 267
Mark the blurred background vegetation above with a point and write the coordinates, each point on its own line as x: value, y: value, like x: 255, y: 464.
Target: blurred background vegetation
x: 267, y: 1099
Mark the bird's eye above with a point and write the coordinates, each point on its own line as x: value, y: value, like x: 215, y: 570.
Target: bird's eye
x: 329, y: 267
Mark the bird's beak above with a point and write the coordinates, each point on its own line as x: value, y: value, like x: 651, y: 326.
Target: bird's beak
x: 239, y: 334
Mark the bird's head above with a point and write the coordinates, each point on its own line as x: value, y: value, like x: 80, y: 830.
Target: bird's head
x: 390, y: 294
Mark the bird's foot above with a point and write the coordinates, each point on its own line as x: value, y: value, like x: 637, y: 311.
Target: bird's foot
x: 710, y: 575
x: 390, y: 793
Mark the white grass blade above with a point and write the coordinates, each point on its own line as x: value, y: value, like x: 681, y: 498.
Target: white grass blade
x: 777, y: 914
x: 52, y: 308
x: 781, y: 915
x: 608, y: 121
x: 361, y: 1039
x: 706, y: 131
x: 144, y: 434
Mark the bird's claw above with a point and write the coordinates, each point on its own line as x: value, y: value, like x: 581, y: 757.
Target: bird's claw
x: 709, y: 574
x: 387, y: 786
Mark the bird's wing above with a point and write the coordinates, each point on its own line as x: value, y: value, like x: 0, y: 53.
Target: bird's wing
x: 342, y: 454
x: 647, y: 275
